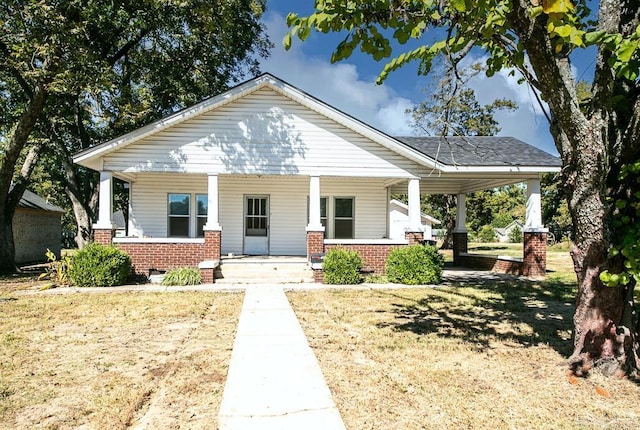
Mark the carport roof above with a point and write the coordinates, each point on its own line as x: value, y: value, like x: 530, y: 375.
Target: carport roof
x: 480, y: 151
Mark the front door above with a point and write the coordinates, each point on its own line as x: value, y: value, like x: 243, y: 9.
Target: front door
x: 256, y: 225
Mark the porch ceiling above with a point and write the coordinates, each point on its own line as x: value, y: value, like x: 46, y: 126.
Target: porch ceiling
x: 449, y: 184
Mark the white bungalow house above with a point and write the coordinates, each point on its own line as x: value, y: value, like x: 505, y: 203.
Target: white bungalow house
x: 265, y: 168
x: 399, y: 221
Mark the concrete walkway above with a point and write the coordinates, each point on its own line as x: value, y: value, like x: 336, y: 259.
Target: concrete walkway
x: 274, y: 380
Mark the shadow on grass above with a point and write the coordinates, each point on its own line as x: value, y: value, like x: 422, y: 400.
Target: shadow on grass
x: 482, y: 310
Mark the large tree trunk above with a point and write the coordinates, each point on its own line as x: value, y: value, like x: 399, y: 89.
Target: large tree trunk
x: 10, y: 196
x: 588, y: 140
x: 84, y: 203
x: 449, y: 221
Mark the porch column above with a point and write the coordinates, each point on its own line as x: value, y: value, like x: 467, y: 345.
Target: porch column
x: 104, y: 229
x: 534, y: 234
x: 213, y: 208
x: 315, y: 229
x: 414, y: 205
x: 460, y: 236
x: 212, y: 229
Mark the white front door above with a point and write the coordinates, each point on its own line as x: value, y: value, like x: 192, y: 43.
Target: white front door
x: 256, y: 225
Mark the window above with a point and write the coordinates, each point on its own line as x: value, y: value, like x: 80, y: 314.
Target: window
x: 202, y: 200
x: 323, y: 214
x: 179, y: 215
x: 343, y: 218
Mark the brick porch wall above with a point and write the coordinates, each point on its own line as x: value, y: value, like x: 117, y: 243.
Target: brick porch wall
x: 163, y: 256
x: 488, y: 262
x: 414, y: 237
x: 374, y: 256
x: 535, y: 254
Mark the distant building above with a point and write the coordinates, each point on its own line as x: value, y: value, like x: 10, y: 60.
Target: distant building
x: 37, y: 227
x: 503, y: 234
x: 399, y: 221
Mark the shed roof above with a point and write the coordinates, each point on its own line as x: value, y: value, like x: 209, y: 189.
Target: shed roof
x: 31, y: 200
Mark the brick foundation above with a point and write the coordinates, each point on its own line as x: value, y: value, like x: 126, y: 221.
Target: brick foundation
x: 315, y: 243
x: 103, y: 236
x: 460, y: 246
x: 535, y: 254
x: 318, y: 276
x: 208, y: 276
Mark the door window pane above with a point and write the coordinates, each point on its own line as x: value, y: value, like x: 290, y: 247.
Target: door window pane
x: 256, y: 218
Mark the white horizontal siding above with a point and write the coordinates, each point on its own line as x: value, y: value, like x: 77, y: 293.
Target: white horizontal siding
x: 148, y: 200
x: 262, y: 133
x: 370, y: 204
x: 288, y: 206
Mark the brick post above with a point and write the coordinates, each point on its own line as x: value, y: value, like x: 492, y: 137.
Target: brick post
x: 535, y: 254
x: 460, y: 245
x: 414, y: 237
x: 315, y: 243
x: 212, y: 244
x: 103, y: 236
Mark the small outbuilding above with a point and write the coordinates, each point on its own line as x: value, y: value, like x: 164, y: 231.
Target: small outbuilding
x: 37, y: 226
x: 399, y: 221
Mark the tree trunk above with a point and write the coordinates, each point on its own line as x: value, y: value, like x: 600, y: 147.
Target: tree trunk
x: 9, y: 198
x: 449, y: 221
x: 84, y: 206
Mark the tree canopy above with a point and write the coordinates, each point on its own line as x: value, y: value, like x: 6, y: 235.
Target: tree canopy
x: 75, y: 73
x: 594, y: 137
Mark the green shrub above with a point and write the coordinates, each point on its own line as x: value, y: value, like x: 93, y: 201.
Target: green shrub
x: 415, y: 265
x: 486, y: 234
x: 515, y: 235
x: 182, y: 276
x: 99, y: 266
x: 342, y: 267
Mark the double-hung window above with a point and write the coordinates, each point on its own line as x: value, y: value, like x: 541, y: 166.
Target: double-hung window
x: 179, y: 215
x: 202, y: 200
x: 343, y: 220
x: 183, y: 219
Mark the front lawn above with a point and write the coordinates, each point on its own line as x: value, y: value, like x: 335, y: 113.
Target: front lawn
x: 113, y: 360
x: 475, y: 356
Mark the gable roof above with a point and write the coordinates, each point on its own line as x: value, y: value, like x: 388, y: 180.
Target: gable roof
x: 481, y: 151
x: 427, y: 151
x: 31, y: 200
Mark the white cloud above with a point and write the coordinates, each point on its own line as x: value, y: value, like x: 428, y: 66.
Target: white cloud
x: 339, y: 85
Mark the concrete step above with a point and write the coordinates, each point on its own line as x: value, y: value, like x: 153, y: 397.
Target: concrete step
x: 264, y: 270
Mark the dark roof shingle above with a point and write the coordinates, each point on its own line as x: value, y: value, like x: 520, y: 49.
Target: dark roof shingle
x: 480, y: 151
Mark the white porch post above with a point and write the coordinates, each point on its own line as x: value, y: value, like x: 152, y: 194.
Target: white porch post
x: 415, y: 224
x: 461, y: 213
x: 315, y: 223
x: 533, y: 217
x: 213, y: 208
x: 105, y: 206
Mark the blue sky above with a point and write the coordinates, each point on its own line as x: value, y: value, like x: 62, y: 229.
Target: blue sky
x: 350, y: 85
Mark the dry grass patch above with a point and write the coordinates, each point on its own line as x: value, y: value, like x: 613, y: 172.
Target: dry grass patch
x: 114, y: 360
x: 474, y: 356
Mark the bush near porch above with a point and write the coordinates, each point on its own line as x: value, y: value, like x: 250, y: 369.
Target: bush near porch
x: 342, y: 267
x: 415, y: 265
